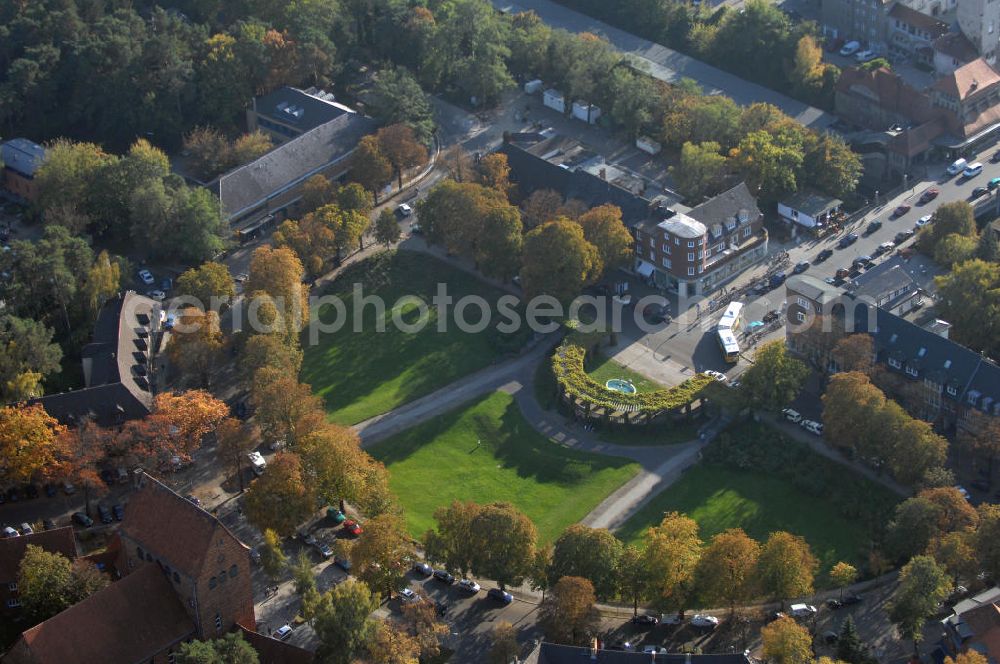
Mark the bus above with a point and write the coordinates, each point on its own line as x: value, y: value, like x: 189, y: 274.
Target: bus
x: 728, y: 345
x: 732, y: 319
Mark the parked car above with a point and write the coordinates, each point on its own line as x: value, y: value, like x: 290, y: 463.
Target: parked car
x: 352, y: 527
x: 645, y: 620
x: 81, y: 519
x: 834, y: 604
x: 654, y: 650
x: 406, y: 595
x: 445, y: 576
x: 957, y: 166
x: 993, y: 184
x: 847, y: 240
x: 802, y: 610
x: 850, y: 48
x: 924, y: 220
x: 852, y: 599
x: 26, y: 529
x: 342, y: 563
x: 416, y: 229
x: 929, y: 195
x: 500, y: 595
x: 866, y: 55
x: 792, y: 416
x: 282, y: 633
x: 995, y: 158
x: 800, y: 267
x: 873, y: 226
x: 903, y: 236
x: 977, y: 192
x: 704, y: 622
x: 146, y: 277
x: 771, y: 315
x: 105, y: 514
x: 307, y: 538
x: 423, y: 569
x: 335, y: 515
x: 812, y: 426
x: 157, y: 295
x: 861, y: 261
x: 48, y: 524
x: 323, y: 549
x: 884, y: 248
x: 9, y: 532
x: 823, y: 255
x: 972, y: 170
x: 469, y: 586
x: 900, y: 211
x: 403, y: 210
x: 717, y: 375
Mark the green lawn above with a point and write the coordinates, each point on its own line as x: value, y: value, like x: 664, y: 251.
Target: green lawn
x: 604, y: 369
x: 719, y: 498
x: 362, y: 374
x: 440, y: 461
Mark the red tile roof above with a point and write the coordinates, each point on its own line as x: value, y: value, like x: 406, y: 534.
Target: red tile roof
x: 57, y: 540
x: 888, y: 91
x: 967, y: 79
x: 173, y: 527
x: 984, y: 621
x: 273, y: 651
x: 125, y: 623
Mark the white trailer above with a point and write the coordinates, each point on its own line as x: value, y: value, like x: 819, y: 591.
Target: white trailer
x: 531, y: 87
x: 648, y: 145
x: 581, y: 110
x: 554, y: 100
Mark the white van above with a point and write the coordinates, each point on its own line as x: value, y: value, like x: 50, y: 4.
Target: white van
x: 957, y: 167
x: 972, y: 170
x: 812, y: 426
x: 850, y: 48
x: 792, y: 416
x: 257, y: 462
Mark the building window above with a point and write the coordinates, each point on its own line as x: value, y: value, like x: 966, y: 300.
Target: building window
x: 701, y: 254
x: 218, y: 622
x: 13, y: 603
x: 894, y: 363
x: 799, y: 316
x: 747, y: 231
x: 677, y: 240
x: 690, y: 271
x: 952, y: 390
x: 803, y: 302
x: 690, y: 256
x: 652, y: 242
x: 139, y: 552
x: 701, y: 268
x: 171, y: 658
x: 666, y: 263
x: 666, y: 248
x: 12, y: 586
x: 972, y: 398
x: 911, y: 371
x: 222, y: 577
x: 212, y: 583
x: 690, y: 243
x: 233, y: 571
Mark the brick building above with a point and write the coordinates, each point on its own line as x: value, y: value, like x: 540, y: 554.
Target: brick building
x: 184, y: 576
x: 21, y: 159
x: 691, y: 251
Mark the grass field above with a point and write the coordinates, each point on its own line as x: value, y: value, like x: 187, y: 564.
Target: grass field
x: 441, y: 461
x: 362, y: 374
x: 604, y: 369
x: 719, y: 498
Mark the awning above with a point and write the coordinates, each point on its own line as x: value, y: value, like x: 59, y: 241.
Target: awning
x: 644, y: 269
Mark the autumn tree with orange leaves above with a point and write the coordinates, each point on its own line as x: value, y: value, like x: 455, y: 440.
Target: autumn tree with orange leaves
x: 28, y: 442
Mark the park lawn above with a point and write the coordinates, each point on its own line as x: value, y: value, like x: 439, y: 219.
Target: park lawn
x: 719, y: 498
x: 363, y: 374
x: 442, y: 460
x: 604, y: 369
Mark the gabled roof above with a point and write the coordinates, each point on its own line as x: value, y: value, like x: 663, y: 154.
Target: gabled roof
x: 57, y: 540
x: 115, y: 389
x: 124, y: 623
x: 273, y: 651
x: 812, y: 203
x: 22, y: 155
x: 968, y: 79
x: 956, y: 45
x: 303, y: 109
x: 551, y: 653
x: 249, y: 186
x: 177, y: 531
x: 934, y: 27
x: 727, y: 205
x: 887, y: 90
x: 813, y: 288
x: 883, y: 279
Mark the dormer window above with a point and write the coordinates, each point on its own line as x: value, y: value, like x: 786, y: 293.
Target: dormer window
x: 743, y: 216
x: 893, y: 338
x: 921, y: 352
x: 952, y: 390
x: 973, y: 397
x: 895, y: 364
x: 947, y: 364
x: 911, y: 370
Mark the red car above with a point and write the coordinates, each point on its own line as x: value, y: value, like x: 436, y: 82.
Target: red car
x: 930, y: 195
x: 352, y: 527
x: 901, y: 210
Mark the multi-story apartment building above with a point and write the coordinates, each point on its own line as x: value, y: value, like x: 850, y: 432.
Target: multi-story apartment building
x: 690, y: 251
x: 979, y: 20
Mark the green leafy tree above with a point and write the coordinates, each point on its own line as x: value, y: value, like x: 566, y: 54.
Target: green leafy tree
x: 830, y: 165
x: 27, y: 356
x: 452, y: 543
x: 103, y: 281
x: 923, y: 585
x: 786, y: 566
x: 954, y: 248
x: 701, y: 170
x: 842, y: 575
x: 401, y: 148
x: 380, y: 557
x: 67, y: 177
x: 787, y: 642
x: 591, y: 553
x: 987, y: 539
x: 279, y: 499
x: 499, y: 245
x: 558, y: 261
x: 343, y: 622
x: 398, y: 98
x: 634, y: 580
x: 369, y: 166
x: 603, y: 227
x: 775, y: 378
x: 509, y: 560
x: 229, y: 649
x: 48, y: 583
x: 955, y: 552
x: 268, y: 350
x: 850, y: 649
x: 205, y: 282
x: 207, y: 151
x: 503, y: 643
x: 770, y: 162
x: 272, y: 556
x: 387, y: 228
x: 967, y: 297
